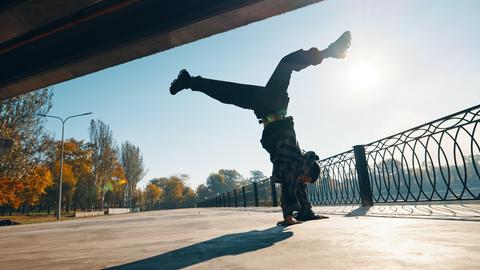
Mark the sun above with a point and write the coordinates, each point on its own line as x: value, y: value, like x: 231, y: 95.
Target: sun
x: 364, y: 76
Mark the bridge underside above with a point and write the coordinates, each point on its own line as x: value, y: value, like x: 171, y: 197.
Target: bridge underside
x: 44, y: 42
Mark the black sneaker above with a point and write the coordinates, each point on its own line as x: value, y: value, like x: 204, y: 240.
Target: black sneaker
x: 307, y: 217
x: 338, y: 49
x: 180, y: 83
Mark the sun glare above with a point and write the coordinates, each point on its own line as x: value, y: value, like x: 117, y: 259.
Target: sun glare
x: 364, y: 76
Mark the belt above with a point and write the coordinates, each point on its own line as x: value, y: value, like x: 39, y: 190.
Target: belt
x: 279, y: 115
x: 271, y: 118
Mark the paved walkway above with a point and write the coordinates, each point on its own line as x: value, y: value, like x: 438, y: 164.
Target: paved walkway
x: 246, y: 239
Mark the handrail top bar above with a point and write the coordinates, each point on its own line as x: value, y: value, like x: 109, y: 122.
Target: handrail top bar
x: 426, y: 124
x: 411, y: 129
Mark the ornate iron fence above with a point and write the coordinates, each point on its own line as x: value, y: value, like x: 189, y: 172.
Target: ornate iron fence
x: 337, y: 183
x: 436, y: 161
x: 258, y: 193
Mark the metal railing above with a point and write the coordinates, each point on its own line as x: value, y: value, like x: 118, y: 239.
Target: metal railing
x: 256, y: 194
x: 436, y: 161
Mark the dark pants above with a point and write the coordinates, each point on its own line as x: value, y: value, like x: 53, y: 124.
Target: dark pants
x: 294, y: 193
x: 263, y: 100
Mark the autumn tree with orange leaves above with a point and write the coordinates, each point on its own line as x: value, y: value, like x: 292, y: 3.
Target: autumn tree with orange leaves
x: 77, y: 164
x: 20, y: 122
x: 176, y: 192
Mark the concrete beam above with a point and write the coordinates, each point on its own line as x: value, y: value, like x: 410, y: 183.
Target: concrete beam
x: 109, y: 33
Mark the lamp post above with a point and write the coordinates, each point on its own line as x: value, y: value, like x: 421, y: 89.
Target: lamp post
x: 61, y: 157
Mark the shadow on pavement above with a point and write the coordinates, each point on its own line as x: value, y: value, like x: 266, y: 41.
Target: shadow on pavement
x: 459, y: 212
x: 361, y: 211
x: 230, y: 244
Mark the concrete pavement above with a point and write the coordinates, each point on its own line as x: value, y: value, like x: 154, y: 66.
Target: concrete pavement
x: 242, y: 239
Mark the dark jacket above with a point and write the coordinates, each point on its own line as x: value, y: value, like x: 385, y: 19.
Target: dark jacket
x: 280, y: 141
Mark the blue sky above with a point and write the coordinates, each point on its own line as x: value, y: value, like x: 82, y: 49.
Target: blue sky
x: 410, y: 62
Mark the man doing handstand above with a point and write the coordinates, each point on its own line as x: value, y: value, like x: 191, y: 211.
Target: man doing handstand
x: 292, y: 168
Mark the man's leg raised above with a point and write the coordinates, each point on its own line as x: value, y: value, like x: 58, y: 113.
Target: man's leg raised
x: 241, y: 95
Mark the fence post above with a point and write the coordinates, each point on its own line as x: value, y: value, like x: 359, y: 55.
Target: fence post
x: 224, y: 200
x: 274, y: 193
x: 228, y: 199
x: 255, y: 192
x: 244, y: 197
x: 235, y: 197
x: 363, y: 178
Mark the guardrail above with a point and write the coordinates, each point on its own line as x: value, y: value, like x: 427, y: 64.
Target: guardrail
x: 436, y: 161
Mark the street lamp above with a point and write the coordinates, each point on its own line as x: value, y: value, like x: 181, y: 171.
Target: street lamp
x: 61, y: 159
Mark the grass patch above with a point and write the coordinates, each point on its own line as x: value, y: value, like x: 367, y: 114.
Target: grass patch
x: 36, y: 217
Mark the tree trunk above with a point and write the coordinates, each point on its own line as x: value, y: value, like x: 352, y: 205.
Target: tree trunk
x: 102, y: 199
x: 67, y: 205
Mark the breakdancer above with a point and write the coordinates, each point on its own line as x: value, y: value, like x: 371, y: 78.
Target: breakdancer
x: 292, y: 167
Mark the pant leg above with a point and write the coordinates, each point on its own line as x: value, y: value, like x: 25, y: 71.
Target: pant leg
x: 241, y: 95
x: 286, y: 172
x: 277, y: 85
x: 263, y: 100
x: 302, y: 196
x: 294, y: 61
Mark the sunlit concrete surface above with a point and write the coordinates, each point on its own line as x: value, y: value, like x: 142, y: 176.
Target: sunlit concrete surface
x: 244, y: 239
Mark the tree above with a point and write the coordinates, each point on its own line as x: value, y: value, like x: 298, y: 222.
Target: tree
x: 216, y: 183
x: 189, y: 197
x: 232, y: 179
x: 256, y: 176
x: 36, y: 185
x: 222, y: 181
x: 203, y: 192
x: 173, y: 188
x: 137, y: 198
x: 132, y: 162
x: 19, y: 122
x: 154, y: 193
x: 85, y: 194
x: 77, y: 164
x: 69, y: 182
x: 115, y: 188
x: 175, y: 192
x: 103, y: 155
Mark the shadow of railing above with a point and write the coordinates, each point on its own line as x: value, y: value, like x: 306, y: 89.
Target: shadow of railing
x: 230, y: 244
x: 453, y: 211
